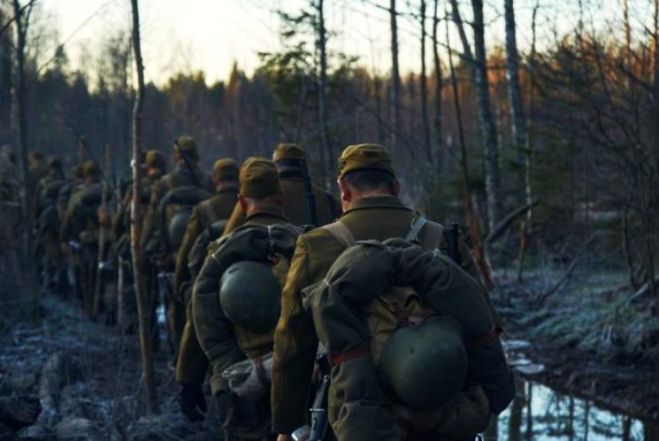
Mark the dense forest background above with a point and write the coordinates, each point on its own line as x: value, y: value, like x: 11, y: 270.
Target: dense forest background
x: 555, y: 146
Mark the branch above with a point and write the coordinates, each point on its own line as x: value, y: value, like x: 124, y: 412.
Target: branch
x: 505, y: 223
x: 13, y: 19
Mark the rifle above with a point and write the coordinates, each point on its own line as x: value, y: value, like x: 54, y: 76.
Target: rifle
x: 188, y: 162
x: 309, y: 195
x: 319, y: 421
x: 452, y: 236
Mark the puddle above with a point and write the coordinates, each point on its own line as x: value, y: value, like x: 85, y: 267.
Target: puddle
x: 540, y: 413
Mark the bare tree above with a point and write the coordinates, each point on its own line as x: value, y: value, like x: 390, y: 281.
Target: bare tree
x: 490, y: 137
x: 423, y: 80
x: 21, y: 20
x: 514, y: 88
x: 473, y: 225
x: 143, y: 312
x: 322, y: 94
x: 395, y: 76
x: 438, y: 86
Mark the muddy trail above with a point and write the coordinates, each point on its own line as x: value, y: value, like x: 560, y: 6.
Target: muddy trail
x: 582, y: 375
x: 67, y: 378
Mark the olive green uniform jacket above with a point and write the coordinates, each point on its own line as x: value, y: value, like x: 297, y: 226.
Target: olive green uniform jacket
x: 192, y: 364
x: 181, y: 176
x: 221, y: 347
x: 378, y: 218
x: 295, y: 204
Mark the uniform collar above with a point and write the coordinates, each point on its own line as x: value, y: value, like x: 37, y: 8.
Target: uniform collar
x: 225, y: 190
x: 377, y: 202
x: 268, y: 210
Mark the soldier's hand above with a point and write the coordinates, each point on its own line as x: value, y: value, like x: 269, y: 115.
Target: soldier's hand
x: 283, y: 437
x: 192, y: 401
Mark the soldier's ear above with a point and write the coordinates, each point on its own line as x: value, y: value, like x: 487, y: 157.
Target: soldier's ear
x: 243, y: 203
x: 396, y: 188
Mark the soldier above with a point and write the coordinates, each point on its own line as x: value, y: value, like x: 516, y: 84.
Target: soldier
x: 235, y: 329
x: 206, y: 224
x: 79, y: 233
x: 172, y: 200
x: 372, y: 210
x: 304, y: 203
x: 155, y: 166
x: 48, y: 227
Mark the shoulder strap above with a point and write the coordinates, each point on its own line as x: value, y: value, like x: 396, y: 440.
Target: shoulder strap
x: 341, y: 233
x: 417, y: 224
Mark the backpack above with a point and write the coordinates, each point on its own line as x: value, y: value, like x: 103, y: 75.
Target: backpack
x: 467, y: 413
x: 174, y: 211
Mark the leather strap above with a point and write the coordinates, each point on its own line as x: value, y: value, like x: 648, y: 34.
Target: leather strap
x: 359, y: 351
x: 341, y: 233
x: 486, y: 338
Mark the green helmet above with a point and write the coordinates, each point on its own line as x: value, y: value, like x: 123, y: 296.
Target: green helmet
x: 176, y: 228
x: 422, y: 367
x: 250, y: 296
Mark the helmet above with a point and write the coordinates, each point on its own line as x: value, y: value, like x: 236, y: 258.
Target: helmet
x: 176, y: 228
x: 250, y: 296
x: 422, y: 367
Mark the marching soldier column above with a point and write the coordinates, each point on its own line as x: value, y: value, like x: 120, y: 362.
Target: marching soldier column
x: 370, y: 324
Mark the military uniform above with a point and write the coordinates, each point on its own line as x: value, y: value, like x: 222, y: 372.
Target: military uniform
x: 48, y: 226
x: 369, y: 218
x: 79, y: 232
x: 290, y: 160
x: 126, y: 302
x: 228, y: 338
x: 187, y: 177
x: 192, y: 364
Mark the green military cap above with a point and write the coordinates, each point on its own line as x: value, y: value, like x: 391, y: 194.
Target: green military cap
x: 90, y: 169
x: 186, y: 146
x: 286, y: 151
x: 258, y: 178
x: 155, y: 159
x: 54, y: 163
x: 225, y: 168
x: 365, y: 157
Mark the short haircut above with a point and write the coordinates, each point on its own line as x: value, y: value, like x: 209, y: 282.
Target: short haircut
x: 369, y: 180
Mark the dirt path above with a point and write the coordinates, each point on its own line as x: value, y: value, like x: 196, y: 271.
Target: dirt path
x: 87, y: 378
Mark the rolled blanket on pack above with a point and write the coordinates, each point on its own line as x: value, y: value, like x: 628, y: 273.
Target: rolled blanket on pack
x: 367, y: 270
x: 250, y: 379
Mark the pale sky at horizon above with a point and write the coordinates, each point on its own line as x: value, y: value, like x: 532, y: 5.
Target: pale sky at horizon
x: 210, y: 35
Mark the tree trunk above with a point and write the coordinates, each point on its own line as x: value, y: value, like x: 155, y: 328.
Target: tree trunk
x: 322, y: 95
x: 473, y: 225
x: 514, y: 88
x: 21, y: 32
x: 143, y: 309
x: 395, y: 78
x: 102, y: 235
x: 438, y: 91
x: 425, y: 119
x: 488, y: 126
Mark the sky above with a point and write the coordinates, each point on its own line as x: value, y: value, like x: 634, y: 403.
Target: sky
x: 210, y: 35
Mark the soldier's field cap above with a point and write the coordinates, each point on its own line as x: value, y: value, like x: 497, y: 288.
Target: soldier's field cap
x: 90, y: 169
x: 225, y: 168
x: 259, y: 178
x: 186, y: 145
x: 365, y: 157
x: 288, y: 152
x: 155, y: 159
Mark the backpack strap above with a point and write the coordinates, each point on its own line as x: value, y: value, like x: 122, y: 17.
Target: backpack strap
x: 341, y: 233
x: 415, y: 228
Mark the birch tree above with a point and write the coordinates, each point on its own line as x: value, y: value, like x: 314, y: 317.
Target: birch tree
x: 395, y: 76
x: 143, y: 311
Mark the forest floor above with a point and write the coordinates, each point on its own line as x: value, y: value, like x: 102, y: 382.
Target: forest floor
x: 87, y: 378
x: 586, y: 339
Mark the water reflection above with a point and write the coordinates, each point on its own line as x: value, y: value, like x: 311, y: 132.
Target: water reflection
x: 539, y: 413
